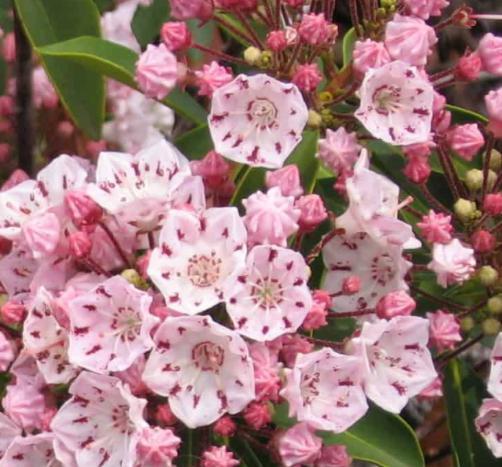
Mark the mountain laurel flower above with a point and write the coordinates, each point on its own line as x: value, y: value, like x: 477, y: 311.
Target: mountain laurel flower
x: 444, y: 330
x: 369, y: 54
x: 395, y: 304
x: 212, y: 77
x: 436, y: 227
x: 287, y: 179
x: 157, y: 447
x: 335, y: 455
x: 315, y: 30
x: 494, y: 385
x: 111, y: 442
x: 312, y: 212
x: 466, y: 140
x: 493, y: 102
x: 489, y: 425
x: 196, y: 256
x: 425, y: 8
x: 31, y: 450
x: 110, y: 326
x: 409, y: 39
x: 324, y: 389
x: 396, y: 104
x: 176, y: 35
x: 218, y: 456
x: 257, y: 120
x: 339, y: 150
x: 299, y: 445
x: 269, y: 296
x: 490, y: 52
x: 307, y: 77
x: 203, y: 368
x: 270, y: 217
x: 452, y: 262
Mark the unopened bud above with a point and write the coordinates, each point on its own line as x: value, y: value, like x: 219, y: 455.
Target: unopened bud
x: 467, y: 324
x: 490, y: 326
x: 474, y: 179
x: 80, y: 245
x: 495, y: 160
x: 488, y: 276
x: 465, y: 210
x: 314, y: 120
x: 252, y: 55
x: 494, y: 305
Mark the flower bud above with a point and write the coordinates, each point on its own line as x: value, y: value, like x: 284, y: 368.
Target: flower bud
x: 493, y: 204
x: 495, y: 160
x: 467, y: 324
x: 351, y: 285
x: 276, y: 41
x: 314, y: 120
x: 474, y: 179
x: 490, y: 326
x: 252, y: 55
x: 465, y: 210
x: 176, y: 35
x: 80, y: 245
x: 225, y: 426
x: 483, y: 241
x: 468, y: 67
x: 13, y: 313
x: 257, y: 415
x: 307, y: 77
x: 393, y: 304
x: 494, y: 305
x: 287, y: 179
x: 488, y: 275
x: 83, y: 210
x: 312, y: 212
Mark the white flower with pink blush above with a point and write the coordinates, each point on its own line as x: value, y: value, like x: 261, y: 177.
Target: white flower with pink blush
x: 453, y: 263
x: 489, y: 425
x: 196, y: 256
x: 396, y: 104
x: 397, y: 364
x: 8, y: 431
x: 324, y: 389
x: 203, y: 368
x: 269, y: 295
x: 30, y: 451
x: 108, y: 440
x: 141, y: 188
x: 381, y: 269
x: 47, y: 340
x: 110, y: 326
x: 257, y: 120
x: 495, y: 379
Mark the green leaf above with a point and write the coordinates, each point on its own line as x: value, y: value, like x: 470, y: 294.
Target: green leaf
x: 379, y: 437
x: 464, y: 392
x: 461, y: 115
x: 202, y: 34
x: 81, y: 90
x: 148, y: 20
x: 349, y: 40
x: 103, y: 5
x: 195, y: 144
x: 118, y: 62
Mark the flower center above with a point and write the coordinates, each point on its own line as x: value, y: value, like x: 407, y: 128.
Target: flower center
x: 208, y: 356
x: 203, y: 270
x: 387, y: 99
x: 267, y: 292
x: 262, y: 112
x: 309, y: 387
x: 382, y: 269
x: 126, y: 324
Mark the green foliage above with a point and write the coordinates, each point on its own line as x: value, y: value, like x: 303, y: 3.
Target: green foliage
x: 81, y: 90
x: 196, y: 143
x: 148, y: 20
x: 349, y: 41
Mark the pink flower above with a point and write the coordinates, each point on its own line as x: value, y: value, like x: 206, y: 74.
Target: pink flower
x: 190, y: 9
x: 324, y: 390
x: 12, y: 312
x: 257, y: 120
x: 396, y: 104
x: 315, y: 30
x: 110, y: 326
x: 466, y: 140
x: 157, y: 71
x: 212, y: 77
x: 397, y: 363
x: 425, y: 8
x: 257, y: 415
x: 157, y: 447
x: 42, y: 234
x: 292, y: 345
x: 31, y: 450
x: 287, y: 179
x: 492, y: 204
x: 266, y: 371
x: 276, y: 41
x: 8, y: 431
x: 218, y: 456
x: 493, y: 102
x: 397, y: 303
x: 335, y: 455
x: 409, y: 39
x: 468, y: 67
x: 196, y: 256
x: 140, y: 189
x: 444, y: 330
x: 490, y: 52
x: 225, y: 426
x: 269, y: 296
x: 453, y: 263
x: 212, y: 168
x: 489, y: 425
x: 417, y: 168
x: 47, y: 340
x: 307, y: 77
x: 270, y: 218
x: 494, y: 385
x: 369, y: 54
x: 483, y: 241
x: 110, y: 442
x: 25, y: 404
x: 299, y: 445
x: 176, y: 35
x: 339, y: 150
x: 381, y: 269
x: 7, y: 353
x: 203, y: 367
x: 312, y: 212
x: 436, y: 227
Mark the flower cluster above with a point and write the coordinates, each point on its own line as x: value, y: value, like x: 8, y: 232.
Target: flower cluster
x: 150, y: 293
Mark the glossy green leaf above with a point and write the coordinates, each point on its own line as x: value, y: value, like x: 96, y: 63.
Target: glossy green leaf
x: 118, y: 62
x: 202, y: 34
x: 196, y: 143
x: 104, y: 5
x: 461, y: 115
x: 81, y: 90
x: 380, y: 438
x: 148, y: 20
x: 464, y: 392
x: 349, y: 40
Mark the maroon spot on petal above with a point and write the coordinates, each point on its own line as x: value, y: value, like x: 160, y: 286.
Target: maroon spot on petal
x: 299, y: 304
x: 89, y: 307
x: 80, y: 331
x: 346, y: 382
x: 287, y: 322
x: 180, y: 233
x: 35, y: 334
x: 217, y: 118
x: 265, y: 330
x: 166, y: 250
x: 196, y: 400
x: 93, y: 350
x: 18, y: 457
x: 174, y: 298
x: 412, y: 347
x: 289, y: 265
x: 253, y: 157
x: 401, y: 390
x: 80, y: 420
x: 298, y: 282
x: 272, y: 255
x: 86, y: 442
x: 225, y: 233
x: 227, y: 136
x: 278, y: 148
x: 181, y: 330
x: 102, y: 291
x: 241, y: 322
x: 423, y: 112
x: 242, y: 279
x: 164, y: 345
x: 175, y: 390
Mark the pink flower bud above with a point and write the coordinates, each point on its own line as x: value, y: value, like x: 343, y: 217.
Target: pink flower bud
x: 312, y: 212
x: 164, y: 415
x: 425, y: 8
x: 25, y: 405
x: 9, y: 48
x: 191, y: 9
x: 293, y: 344
x: 257, y: 415
x: 315, y: 30
x: 157, y: 71
x: 16, y: 177
x: 316, y: 317
x: 299, y: 446
x: 225, y: 426
x: 287, y: 179
x: 418, y: 150
x: 157, y: 447
x: 307, y: 77
x: 13, y: 313
x: 7, y: 352
x: 176, y: 35
x: 417, y: 169
x: 369, y: 54
x: 468, y: 67
x: 7, y: 106
x: 397, y: 303
x: 466, y: 140
x: 444, y: 330
x: 493, y: 101
x: 351, y: 285
x: 493, y: 204
x: 212, y: 77
x: 94, y: 148
x: 483, y: 241
x: 322, y: 297
x: 218, y: 456
x: 436, y: 227
x: 490, y: 52
x: 334, y: 456
x: 80, y: 245
x: 83, y: 210
x: 65, y: 129
x: 212, y: 168
x: 276, y: 41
